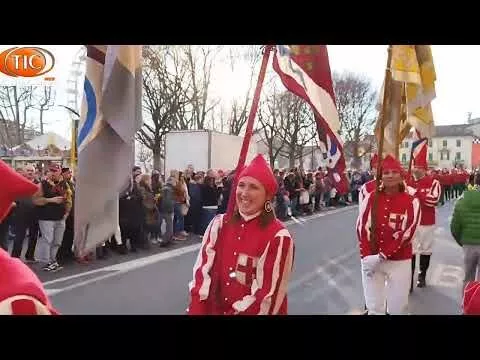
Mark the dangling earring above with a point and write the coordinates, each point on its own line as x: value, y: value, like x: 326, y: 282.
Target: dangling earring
x: 268, y: 206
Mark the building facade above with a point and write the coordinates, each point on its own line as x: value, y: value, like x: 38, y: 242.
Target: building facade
x: 450, y: 147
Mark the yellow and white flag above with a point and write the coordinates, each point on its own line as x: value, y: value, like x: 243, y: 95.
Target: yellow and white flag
x: 413, y: 65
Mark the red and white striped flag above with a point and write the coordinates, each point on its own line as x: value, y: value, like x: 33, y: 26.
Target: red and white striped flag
x: 305, y: 71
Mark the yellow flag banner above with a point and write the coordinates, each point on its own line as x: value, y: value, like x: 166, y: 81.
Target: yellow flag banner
x: 413, y: 65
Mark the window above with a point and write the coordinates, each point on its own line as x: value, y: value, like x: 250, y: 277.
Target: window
x: 458, y: 156
x: 430, y: 157
x: 459, y: 143
x: 430, y: 142
x: 404, y: 157
x: 444, y: 143
x: 405, y: 144
x: 448, y: 155
x: 445, y: 155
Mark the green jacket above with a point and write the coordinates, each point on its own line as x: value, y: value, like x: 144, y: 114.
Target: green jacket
x: 465, y: 225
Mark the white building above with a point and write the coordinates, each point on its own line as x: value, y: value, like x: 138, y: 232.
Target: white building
x: 451, y: 146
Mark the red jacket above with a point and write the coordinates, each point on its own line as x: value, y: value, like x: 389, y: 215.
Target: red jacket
x: 428, y: 191
x: 244, y: 271
x: 21, y: 292
x: 447, y: 179
x: 397, y: 219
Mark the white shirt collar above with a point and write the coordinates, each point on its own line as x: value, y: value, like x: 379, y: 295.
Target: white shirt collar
x: 249, y: 217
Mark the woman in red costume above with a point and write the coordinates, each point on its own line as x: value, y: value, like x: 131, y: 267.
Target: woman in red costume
x: 244, y: 264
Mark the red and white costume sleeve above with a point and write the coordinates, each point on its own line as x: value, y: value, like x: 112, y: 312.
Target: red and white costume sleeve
x: 242, y: 269
x: 21, y: 292
x: 397, y: 220
x: 428, y: 191
x: 366, y: 189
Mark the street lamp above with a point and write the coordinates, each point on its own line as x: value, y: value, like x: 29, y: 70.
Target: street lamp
x: 73, y: 142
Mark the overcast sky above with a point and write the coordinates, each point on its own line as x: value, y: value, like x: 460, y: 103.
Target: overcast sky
x: 457, y: 67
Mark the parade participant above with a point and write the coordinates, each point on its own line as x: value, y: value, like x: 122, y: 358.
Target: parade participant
x: 428, y: 191
x: 471, y: 298
x: 369, y: 186
x: 447, y: 184
x: 465, y: 229
x: 21, y: 292
x: 244, y: 263
x: 386, y: 274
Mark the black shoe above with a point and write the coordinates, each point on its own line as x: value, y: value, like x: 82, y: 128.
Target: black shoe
x: 421, y: 283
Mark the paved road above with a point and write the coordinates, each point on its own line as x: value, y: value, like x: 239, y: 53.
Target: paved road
x: 326, y: 278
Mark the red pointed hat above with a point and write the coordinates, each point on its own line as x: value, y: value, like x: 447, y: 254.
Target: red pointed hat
x: 260, y: 170
x: 18, y: 279
x: 391, y: 164
x: 13, y: 186
x: 374, y: 161
x: 471, y: 298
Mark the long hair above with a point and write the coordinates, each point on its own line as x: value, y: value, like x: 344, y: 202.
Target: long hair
x: 144, y: 182
x: 265, y: 218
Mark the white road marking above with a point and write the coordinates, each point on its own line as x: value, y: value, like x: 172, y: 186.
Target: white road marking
x: 138, y: 263
x: 295, y: 220
x: 345, y: 292
x: 132, y: 264
x: 448, y: 276
x: 320, y: 270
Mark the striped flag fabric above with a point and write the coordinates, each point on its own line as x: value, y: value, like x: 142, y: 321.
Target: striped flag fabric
x: 110, y: 117
x: 419, y: 151
x: 413, y: 65
x: 305, y: 71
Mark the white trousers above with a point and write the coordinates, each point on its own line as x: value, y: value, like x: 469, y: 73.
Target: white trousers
x: 423, y: 239
x: 390, y: 282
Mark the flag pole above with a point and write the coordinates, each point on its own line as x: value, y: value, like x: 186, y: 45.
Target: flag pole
x: 386, y: 100
x: 249, y: 129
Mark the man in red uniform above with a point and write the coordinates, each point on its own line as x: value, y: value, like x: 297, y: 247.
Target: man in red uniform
x: 21, y: 292
x: 386, y: 273
x: 427, y: 190
x: 244, y: 264
x: 447, y: 184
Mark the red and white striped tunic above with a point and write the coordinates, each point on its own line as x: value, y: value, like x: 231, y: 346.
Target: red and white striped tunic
x: 21, y: 292
x: 428, y: 191
x: 242, y: 269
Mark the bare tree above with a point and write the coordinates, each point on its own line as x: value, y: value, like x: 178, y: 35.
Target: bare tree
x: 356, y: 100
x: 239, y: 111
x: 296, y: 123
x: 164, y: 98
x: 15, y: 102
x: 145, y: 156
x: 199, y: 60
x: 45, y: 99
x: 269, y: 125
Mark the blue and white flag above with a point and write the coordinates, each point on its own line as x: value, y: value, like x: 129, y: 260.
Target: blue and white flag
x: 110, y: 116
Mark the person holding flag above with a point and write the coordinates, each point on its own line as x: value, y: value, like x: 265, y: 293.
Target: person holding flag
x: 386, y: 260
x: 21, y: 292
x: 428, y: 191
x: 245, y: 261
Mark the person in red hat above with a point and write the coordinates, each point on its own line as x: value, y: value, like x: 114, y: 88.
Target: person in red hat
x: 386, y: 271
x: 369, y: 186
x: 21, y: 292
x: 428, y: 191
x: 471, y: 298
x: 244, y: 263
